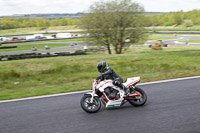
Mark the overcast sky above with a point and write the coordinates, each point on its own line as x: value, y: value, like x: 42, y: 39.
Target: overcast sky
x: 10, y: 7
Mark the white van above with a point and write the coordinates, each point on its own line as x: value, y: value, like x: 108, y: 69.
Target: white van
x: 4, y: 39
x: 30, y: 38
x: 63, y: 35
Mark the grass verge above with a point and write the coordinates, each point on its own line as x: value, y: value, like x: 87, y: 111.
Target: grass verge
x: 35, y: 30
x: 29, y: 47
x: 161, y: 38
x: 33, y: 77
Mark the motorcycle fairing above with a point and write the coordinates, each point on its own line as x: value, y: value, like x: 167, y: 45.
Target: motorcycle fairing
x: 109, y: 83
x: 104, y: 84
x: 131, y: 81
x: 112, y: 102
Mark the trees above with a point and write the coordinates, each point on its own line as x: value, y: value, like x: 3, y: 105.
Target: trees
x: 42, y: 22
x: 186, y: 19
x: 111, y: 23
x: 32, y: 21
x: 187, y: 23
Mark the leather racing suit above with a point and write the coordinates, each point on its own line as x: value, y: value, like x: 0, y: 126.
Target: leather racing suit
x: 109, y: 73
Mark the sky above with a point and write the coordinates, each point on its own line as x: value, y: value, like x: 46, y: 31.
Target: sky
x: 10, y: 7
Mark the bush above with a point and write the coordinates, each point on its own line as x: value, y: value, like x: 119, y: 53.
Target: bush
x: 187, y: 23
x: 10, y: 74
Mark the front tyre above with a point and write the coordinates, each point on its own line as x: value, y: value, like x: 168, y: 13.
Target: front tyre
x: 138, y: 100
x: 88, y: 106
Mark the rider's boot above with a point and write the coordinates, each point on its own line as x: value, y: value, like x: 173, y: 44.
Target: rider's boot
x: 126, y: 90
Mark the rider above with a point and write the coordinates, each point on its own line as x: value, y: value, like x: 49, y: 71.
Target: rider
x: 108, y: 73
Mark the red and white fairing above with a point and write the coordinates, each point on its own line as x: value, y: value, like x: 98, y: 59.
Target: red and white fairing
x: 109, y: 83
x: 113, y: 96
x: 104, y: 84
x: 131, y: 81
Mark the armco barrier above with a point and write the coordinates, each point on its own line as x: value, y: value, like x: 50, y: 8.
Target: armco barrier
x: 6, y: 47
x: 39, y: 55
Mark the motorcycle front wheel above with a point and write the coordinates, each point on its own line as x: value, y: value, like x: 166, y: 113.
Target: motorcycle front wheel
x: 88, y: 106
x: 139, y: 100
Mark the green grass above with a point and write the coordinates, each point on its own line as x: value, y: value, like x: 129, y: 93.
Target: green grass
x: 35, y: 30
x: 174, y: 28
x: 29, y: 47
x: 32, y: 77
x: 71, y: 28
x: 161, y: 38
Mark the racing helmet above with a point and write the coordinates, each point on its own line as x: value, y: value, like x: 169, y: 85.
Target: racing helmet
x: 101, y: 66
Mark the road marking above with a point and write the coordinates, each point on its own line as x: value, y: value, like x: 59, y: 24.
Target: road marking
x: 70, y: 93
x: 169, y: 80
x: 44, y: 96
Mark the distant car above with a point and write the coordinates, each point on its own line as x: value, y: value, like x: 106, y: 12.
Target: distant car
x: 34, y: 49
x: 13, y: 40
x: 4, y: 39
x: 53, y: 36
x: 50, y: 37
x: 40, y: 38
x: 47, y: 47
x: 22, y: 38
x: 63, y: 35
x: 74, y: 35
x: 30, y: 38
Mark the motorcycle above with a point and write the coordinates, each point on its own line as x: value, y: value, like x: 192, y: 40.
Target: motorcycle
x: 112, y: 96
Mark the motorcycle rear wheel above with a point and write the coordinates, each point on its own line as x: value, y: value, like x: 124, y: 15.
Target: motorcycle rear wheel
x: 140, y: 101
x: 90, y: 107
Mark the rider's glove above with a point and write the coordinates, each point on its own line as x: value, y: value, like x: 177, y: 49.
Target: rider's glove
x: 116, y: 82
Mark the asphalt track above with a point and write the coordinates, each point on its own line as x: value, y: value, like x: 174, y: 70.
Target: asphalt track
x: 80, y: 45
x: 175, y: 42
x: 74, y: 47
x: 172, y: 107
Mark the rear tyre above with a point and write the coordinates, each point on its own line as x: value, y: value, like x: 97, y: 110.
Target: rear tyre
x: 138, y: 100
x: 90, y: 107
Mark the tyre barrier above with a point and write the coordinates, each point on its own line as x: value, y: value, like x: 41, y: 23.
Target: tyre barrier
x: 39, y: 55
x: 6, y: 47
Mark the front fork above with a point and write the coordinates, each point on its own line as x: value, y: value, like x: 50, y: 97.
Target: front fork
x: 92, y: 99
